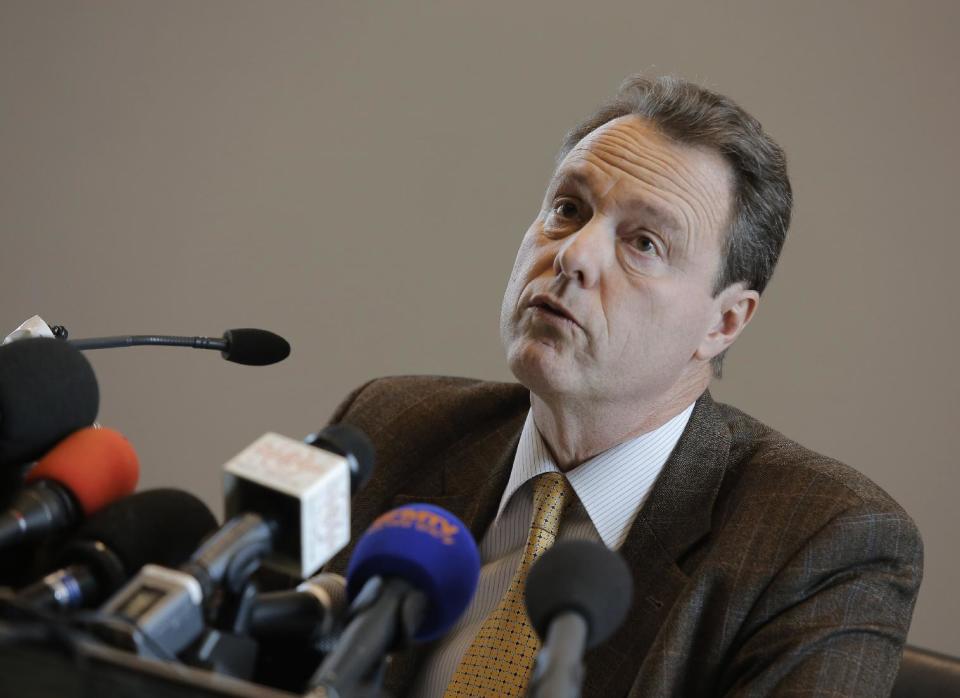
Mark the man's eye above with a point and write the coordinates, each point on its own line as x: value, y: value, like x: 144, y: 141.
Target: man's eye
x: 646, y: 245
x: 566, y: 209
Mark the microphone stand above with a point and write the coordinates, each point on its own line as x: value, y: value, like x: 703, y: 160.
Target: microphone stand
x: 558, y: 672
x: 139, y: 340
x: 344, y: 672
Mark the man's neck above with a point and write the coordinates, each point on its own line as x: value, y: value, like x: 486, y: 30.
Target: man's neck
x: 576, y: 432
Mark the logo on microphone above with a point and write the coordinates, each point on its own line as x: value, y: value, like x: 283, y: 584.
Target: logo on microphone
x: 424, y: 520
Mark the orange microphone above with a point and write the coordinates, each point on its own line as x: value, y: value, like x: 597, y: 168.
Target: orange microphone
x: 83, y: 473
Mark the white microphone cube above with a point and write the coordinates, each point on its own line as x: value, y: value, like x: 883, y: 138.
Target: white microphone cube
x: 304, y: 489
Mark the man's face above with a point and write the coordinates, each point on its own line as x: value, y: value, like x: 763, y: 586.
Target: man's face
x: 611, y: 294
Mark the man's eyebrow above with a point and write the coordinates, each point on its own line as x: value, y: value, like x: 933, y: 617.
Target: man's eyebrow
x: 660, y: 216
x: 567, y: 178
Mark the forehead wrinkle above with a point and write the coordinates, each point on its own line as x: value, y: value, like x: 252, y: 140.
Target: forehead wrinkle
x: 578, y: 171
x: 583, y: 159
x: 682, y: 173
x: 577, y: 168
x: 663, y: 187
x: 611, y: 145
x: 637, y: 134
x: 674, y: 216
x: 663, y: 215
x: 640, y: 139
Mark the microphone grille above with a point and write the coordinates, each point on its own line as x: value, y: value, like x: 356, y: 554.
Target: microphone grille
x: 583, y: 577
x: 253, y: 347
x: 47, y: 391
x: 159, y: 526
x: 428, y: 547
x: 97, y: 465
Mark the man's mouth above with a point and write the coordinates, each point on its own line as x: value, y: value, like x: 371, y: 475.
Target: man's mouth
x: 551, y: 308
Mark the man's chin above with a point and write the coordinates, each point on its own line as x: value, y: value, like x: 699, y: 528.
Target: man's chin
x: 540, y: 367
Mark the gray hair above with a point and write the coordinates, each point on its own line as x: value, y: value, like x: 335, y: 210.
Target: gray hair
x: 762, y: 197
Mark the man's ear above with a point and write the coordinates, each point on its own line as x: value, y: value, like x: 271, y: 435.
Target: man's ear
x: 733, y: 309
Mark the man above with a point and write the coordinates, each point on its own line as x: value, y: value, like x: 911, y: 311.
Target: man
x: 760, y: 567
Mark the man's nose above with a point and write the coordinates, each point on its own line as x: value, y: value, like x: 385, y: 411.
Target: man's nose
x: 584, y: 254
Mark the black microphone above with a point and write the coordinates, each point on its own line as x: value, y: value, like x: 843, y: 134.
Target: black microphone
x: 577, y: 595
x: 160, y: 526
x: 351, y: 443
x: 310, y: 612
x: 247, y: 346
x: 47, y: 391
x: 294, y: 629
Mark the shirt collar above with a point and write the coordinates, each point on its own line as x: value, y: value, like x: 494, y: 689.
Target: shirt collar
x: 613, y: 485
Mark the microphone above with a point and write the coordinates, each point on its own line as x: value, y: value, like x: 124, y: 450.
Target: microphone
x: 311, y: 612
x: 47, y: 391
x: 304, y: 488
x: 410, y: 577
x: 83, y: 473
x: 247, y: 346
x: 294, y: 629
x: 577, y: 595
x: 351, y: 443
x: 160, y: 526
x: 288, y: 504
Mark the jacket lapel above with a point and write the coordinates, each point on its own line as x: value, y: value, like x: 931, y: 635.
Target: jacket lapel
x: 474, y: 477
x: 676, y: 515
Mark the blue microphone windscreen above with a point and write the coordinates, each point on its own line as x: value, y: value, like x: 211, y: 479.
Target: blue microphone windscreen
x: 431, y: 549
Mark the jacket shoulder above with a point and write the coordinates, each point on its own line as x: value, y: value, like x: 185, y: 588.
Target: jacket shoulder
x: 770, y: 461
x: 415, y: 419
x: 388, y: 399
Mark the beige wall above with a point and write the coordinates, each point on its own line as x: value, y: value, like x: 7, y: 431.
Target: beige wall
x: 356, y: 176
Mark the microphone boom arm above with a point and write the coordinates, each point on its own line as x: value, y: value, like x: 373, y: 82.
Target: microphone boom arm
x: 137, y: 340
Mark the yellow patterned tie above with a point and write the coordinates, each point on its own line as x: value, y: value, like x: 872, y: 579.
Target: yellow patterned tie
x: 500, y: 658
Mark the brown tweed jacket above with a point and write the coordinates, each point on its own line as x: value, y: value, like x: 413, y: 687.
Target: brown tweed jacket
x: 760, y: 567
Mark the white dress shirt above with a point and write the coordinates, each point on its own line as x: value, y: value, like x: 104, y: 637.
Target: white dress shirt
x: 611, y: 488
